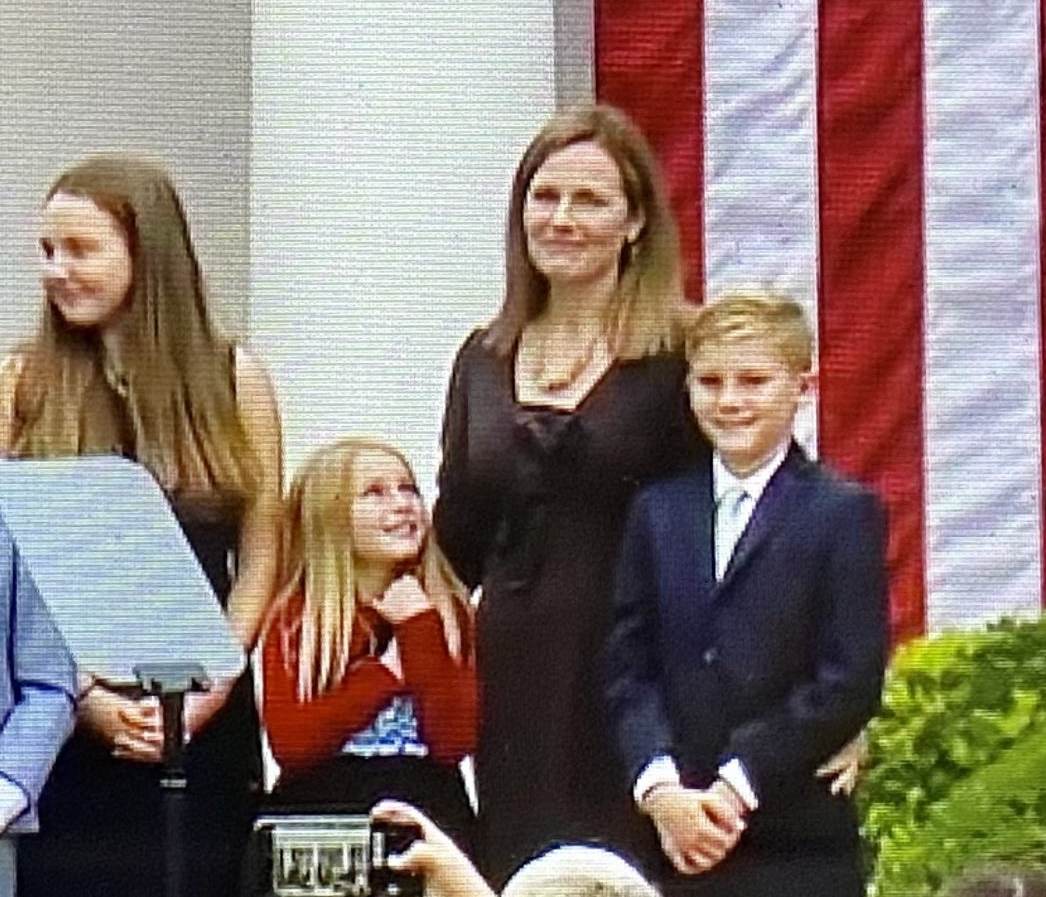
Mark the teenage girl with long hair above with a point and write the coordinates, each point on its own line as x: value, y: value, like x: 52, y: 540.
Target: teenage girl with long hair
x: 127, y: 361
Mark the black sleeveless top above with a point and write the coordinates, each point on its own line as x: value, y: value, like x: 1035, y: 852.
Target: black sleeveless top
x: 101, y: 818
x: 226, y: 754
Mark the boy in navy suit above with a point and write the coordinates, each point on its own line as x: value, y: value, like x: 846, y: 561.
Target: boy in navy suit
x: 750, y: 628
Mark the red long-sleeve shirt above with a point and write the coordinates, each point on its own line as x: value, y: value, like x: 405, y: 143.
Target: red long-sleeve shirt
x: 303, y: 734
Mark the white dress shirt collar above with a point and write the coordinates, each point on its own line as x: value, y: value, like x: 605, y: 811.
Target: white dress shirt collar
x: 723, y: 480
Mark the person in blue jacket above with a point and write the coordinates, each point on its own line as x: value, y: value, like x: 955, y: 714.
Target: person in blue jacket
x: 37, y: 702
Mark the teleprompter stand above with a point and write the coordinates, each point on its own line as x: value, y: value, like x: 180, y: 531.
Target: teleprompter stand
x: 170, y: 682
x: 127, y: 594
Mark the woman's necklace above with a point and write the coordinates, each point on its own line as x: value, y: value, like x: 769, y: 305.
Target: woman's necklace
x: 556, y: 371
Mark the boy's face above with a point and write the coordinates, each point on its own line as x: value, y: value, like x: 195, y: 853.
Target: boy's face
x: 744, y: 397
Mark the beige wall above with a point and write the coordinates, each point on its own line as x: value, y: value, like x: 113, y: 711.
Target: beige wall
x: 170, y: 78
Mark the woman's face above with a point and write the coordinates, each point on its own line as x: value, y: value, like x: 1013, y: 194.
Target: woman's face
x: 388, y: 518
x: 576, y: 215
x: 86, y: 263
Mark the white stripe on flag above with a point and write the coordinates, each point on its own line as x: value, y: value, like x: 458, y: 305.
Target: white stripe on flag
x: 982, y: 431
x: 760, y: 191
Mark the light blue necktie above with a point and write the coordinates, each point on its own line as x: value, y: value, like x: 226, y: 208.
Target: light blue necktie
x: 731, y: 519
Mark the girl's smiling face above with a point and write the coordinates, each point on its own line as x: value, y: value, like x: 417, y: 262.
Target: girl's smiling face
x: 389, y: 523
x: 86, y: 263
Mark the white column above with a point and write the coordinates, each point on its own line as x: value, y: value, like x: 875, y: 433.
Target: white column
x: 384, y: 138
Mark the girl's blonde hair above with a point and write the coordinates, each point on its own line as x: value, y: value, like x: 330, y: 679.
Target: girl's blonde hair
x: 649, y: 287
x: 173, y: 372
x: 318, y: 565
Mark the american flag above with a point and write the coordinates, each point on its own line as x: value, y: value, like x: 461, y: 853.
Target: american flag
x: 879, y: 160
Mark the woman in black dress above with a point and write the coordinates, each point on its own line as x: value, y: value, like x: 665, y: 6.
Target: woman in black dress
x: 555, y: 414
x: 569, y: 400
x: 126, y: 361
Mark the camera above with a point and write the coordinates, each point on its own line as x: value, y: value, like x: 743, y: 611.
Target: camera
x: 331, y: 856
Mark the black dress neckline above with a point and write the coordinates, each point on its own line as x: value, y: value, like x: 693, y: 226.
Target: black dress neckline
x: 545, y: 406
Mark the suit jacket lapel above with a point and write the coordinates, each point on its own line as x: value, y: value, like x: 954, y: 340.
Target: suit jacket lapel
x: 689, y: 515
x: 774, y: 506
x: 703, y: 549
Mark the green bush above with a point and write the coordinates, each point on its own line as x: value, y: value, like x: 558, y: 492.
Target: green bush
x: 958, y: 758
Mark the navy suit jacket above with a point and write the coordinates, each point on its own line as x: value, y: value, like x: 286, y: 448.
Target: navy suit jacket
x: 779, y: 664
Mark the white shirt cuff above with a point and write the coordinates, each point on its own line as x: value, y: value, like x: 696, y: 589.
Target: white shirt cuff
x: 12, y: 802
x: 659, y: 771
x: 733, y: 773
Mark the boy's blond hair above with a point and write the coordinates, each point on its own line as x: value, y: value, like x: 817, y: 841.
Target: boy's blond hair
x: 777, y: 320
x: 578, y: 871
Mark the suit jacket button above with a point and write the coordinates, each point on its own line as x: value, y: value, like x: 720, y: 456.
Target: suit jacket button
x: 710, y: 656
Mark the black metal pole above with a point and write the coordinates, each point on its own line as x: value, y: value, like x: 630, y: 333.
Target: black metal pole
x: 170, y: 682
x: 173, y: 784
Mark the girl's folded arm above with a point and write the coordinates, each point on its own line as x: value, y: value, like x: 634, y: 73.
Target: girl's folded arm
x: 303, y: 733
x: 444, y: 687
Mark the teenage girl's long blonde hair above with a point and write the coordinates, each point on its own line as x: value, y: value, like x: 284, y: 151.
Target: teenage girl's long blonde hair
x: 174, y: 372
x: 318, y: 566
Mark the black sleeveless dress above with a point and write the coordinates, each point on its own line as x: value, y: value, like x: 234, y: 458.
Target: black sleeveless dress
x: 532, y: 504
x: 101, y: 826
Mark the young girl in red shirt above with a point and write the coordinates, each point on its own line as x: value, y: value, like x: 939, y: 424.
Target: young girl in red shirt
x: 369, y: 688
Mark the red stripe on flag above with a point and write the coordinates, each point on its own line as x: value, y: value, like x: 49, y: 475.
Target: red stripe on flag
x: 651, y: 65
x: 871, y: 278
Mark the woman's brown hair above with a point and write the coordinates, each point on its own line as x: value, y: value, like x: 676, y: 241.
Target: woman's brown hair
x: 650, y: 281
x: 173, y: 371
